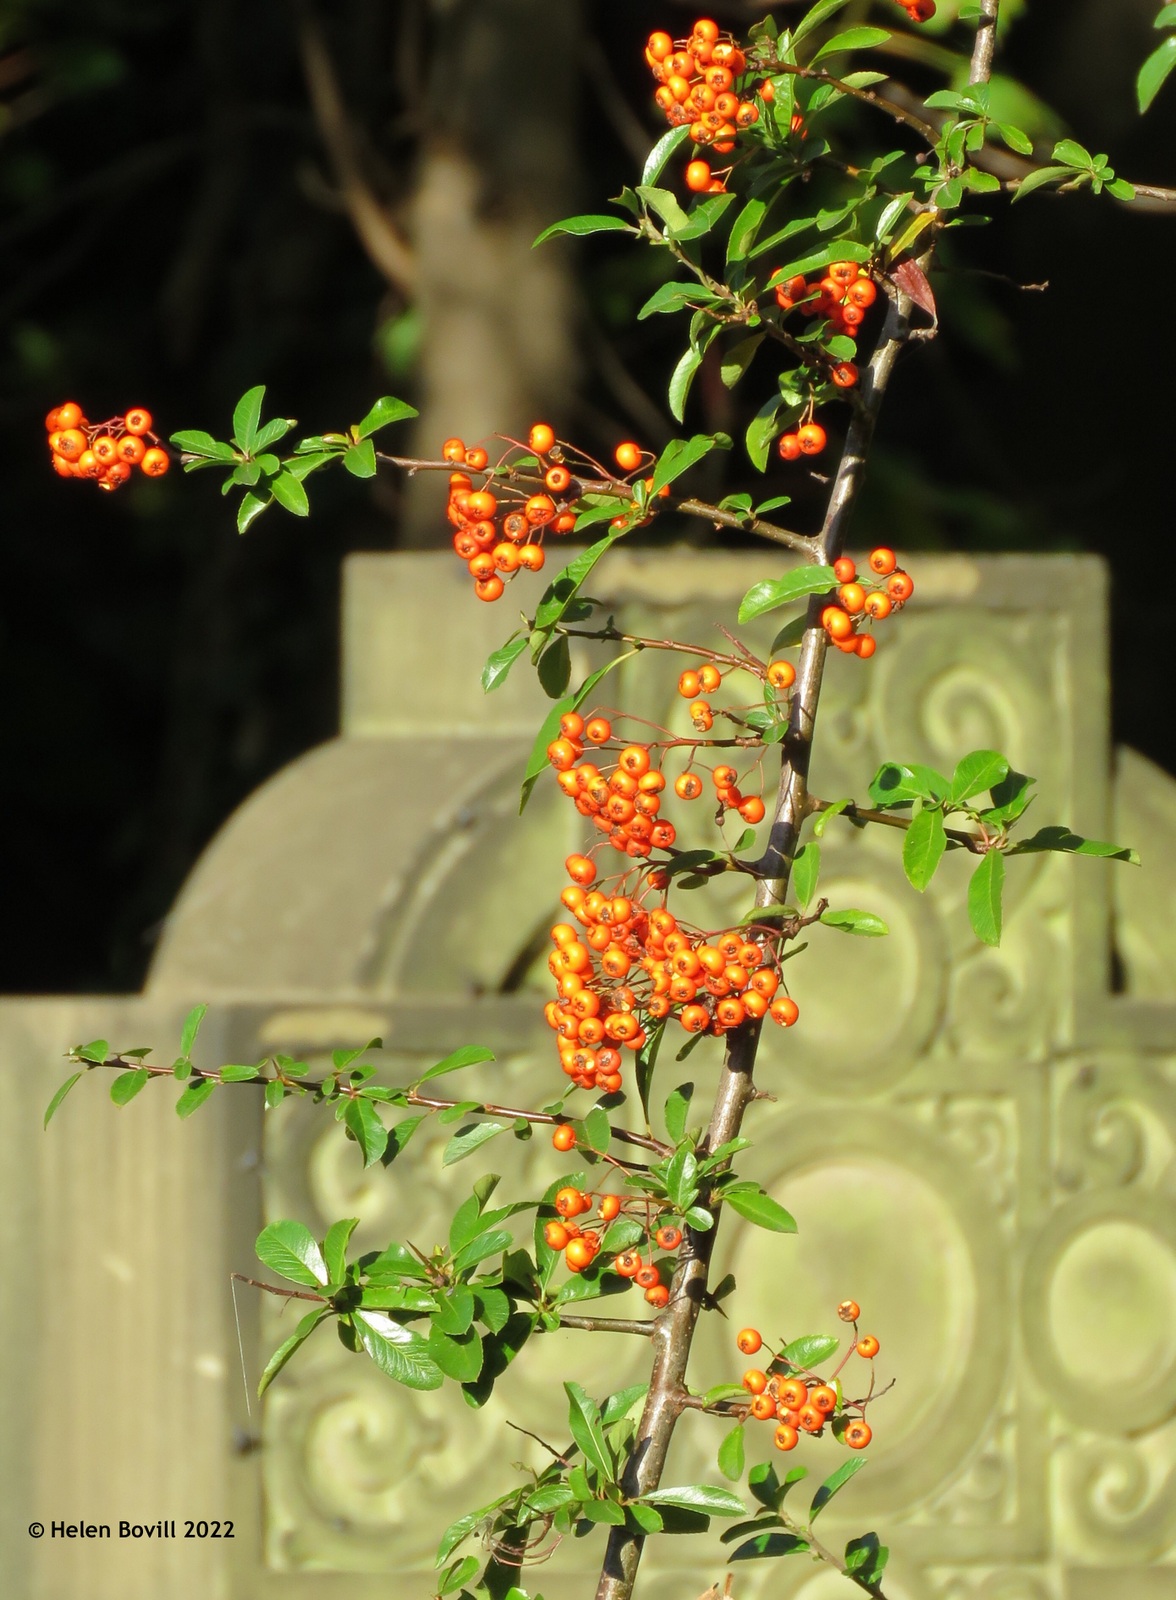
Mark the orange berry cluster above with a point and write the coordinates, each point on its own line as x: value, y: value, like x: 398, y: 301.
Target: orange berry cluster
x: 806, y: 1404
x: 580, y: 1246
x: 634, y: 966
x: 856, y: 602
x: 843, y: 295
x: 698, y: 87
x: 623, y: 805
x: 497, y: 539
x: 108, y: 451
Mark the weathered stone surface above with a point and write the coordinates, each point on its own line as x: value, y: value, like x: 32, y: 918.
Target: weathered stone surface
x: 977, y: 1144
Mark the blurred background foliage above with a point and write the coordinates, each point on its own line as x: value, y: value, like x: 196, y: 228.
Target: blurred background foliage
x: 338, y: 201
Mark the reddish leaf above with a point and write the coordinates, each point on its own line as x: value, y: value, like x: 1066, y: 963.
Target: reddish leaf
x: 912, y: 280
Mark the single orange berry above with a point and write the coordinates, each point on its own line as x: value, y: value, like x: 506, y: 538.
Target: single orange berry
x: 628, y: 455
x: 868, y: 1346
x: 698, y: 176
x: 754, y: 1381
x: 748, y: 1341
x: 598, y: 730
x: 786, y: 1437
x: 844, y: 569
x: 557, y: 479
x: 564, y: 1137
x: 658, y: 1295
x: 823, y: 1397
x: 763, y: 1407
x: 781, y: 674
x: 688, y: 786
x: 788, y: 447
x: 579, y: 1254
x: 857, y: 1434
x: 784, y: 1010
x: 541, y: 438
x: 883, y: 561
x: 453, y: 450
x: 849, y: 1311
x: 811, y: 438
x: 793, y: 1393
x: 556, y: 1235
x: 610, y: 1204
x: 668, y: 1238
x: 647, y: 1277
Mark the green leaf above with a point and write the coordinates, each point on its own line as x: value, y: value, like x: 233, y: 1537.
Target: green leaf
x: 892, y: 784
x: 335, y: 1248
x: 246, y: 417
x: 1010, y: 798
x: 1061, y: 839
x: 194, y: 1097
x: 823, y: 819
x: 923, y: 847
x: 480, y: 1248
x: 562, y: 590
x: 839, y: 250
x: 847, y: 920
x: 682, y: 1178
x: 499, y: 662
x: 865, y: 1559
x: 579, y: 226
x: 360, y: 460
x: 284, y: 1351
x: 401, y: 1354
x: 707, y: 1497
x: 662, y: 151
x: 731, y: 1454
x: 191, y: 1028
x: 754, y: 1205
x: 51, y: 1108
x: 554, y: 668
x: 676, y: 1109
x: 387, y: 409
x: 835, y: 1481
x: 470, y: 1055
x: 276, y: 428
x: 597, y: 1130
x: 1166, y: 17
x: 605, y: 1511
x: 810, y: 1350
x: 619, y: 1405
x: 681, y: 379
x: 292, y: 1251
x: 646, y: 1517
x: 250, y: 509
x: 1016, y: 138
x: 769, y: 1544
x: 458, y: 1355
x: 814, y: 17
x: 702, y: 218
x: 770, y: 593
x: 761, y: 430
x: 674, y: 297
x: 363, y: 1120
x: 977, y: 772
x: 457, y: 1576
x: 1038, y: 179
x: 735, y: 363
x: 682, y: 454
x: 239, y: 1074
x: 203, y: 444
x: 290, y: 494
x: 664, y: 204
x: 984, y: 897
x: 806, y: 869
x: 852, y: 39
x: 744, y: 229
x: 467, y: 1140
x: 127, y: 1085
x: 764, y: 1484
x: 586, y: 1429
x: 1073, y: 154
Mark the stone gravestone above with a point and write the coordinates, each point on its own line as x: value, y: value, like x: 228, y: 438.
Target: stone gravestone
x: 978, y: 1144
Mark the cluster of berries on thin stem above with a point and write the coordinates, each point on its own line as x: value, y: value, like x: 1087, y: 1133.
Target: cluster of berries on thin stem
x: 580, y: 1246
x: 699, y: 87
x: 842, y: 294
x: 107, y: 452
x: 798, y: 1401
x: 861, y: 601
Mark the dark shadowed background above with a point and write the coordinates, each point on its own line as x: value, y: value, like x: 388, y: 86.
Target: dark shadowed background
x: 338, y: 201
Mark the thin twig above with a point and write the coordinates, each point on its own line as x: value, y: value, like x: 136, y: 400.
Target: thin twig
x: 644, y: 1330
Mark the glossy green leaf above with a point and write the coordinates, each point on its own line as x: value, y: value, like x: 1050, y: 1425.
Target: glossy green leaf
x: 662, y: 151
x: 806, y: 869
x: 852, y: 39
x: 284, y: 1351
x: 737, y: 359
x: 814, y: 17
x: 467, y: 1140
x: 675, y: 297
x: 458, y: 1355
x: 335, y: 1247
x: 597, y: 1131
x: 744, y: 229
x: 1062, y: 839
x: 399, y: 1353
x: 770, y: 593
x: 499, y: 662
x: 865, y: 1559
x: 923, y: 847
x: 290, y: 494
x: 470, y: 1055
x: 194, y: 1097
x: 754, y: 1205
x: 984, y: 897
x: 702, y: 217
x: 682, y: 454
x: 292, y: 1251
x: 706, y: 1497
x: 835, y: 1481
x: 587, y: 1430
x: 360, y: 460
x: 810, y: 1350
x: 246, y: 417
x: 848, y: 920
x: 894, y: 783
x: 387, y: 409
x: 680, y: 381
x: 196, y: 443
x: 127, y: 1085
x: 1039, y: 178
x: 665, y: 205
x: 60, y: 1095
x: 766, y: 1544
x: 761, y: 430
x: 731, y: 1454
x: 191, y: 1028
x: 977, y: 772
x: 579, y: 226
x: 364, y: 1121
